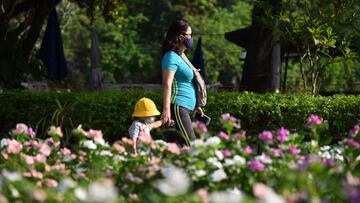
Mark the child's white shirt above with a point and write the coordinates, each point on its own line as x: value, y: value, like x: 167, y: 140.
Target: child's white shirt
x: 136, y: 127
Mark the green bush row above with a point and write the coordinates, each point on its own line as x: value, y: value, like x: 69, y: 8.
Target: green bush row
x: 111, y: 111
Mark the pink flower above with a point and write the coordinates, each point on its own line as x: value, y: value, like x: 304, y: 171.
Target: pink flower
x: 154, y: 160
x: 118, y: 147
x: 31, y: 133
x: 14, y: 147
x: 55, y: 131
x: 353, y: 143
x: 127, y: 141
x: 173, y: 148
x: 277, y: 152
x: 36, y: 174
x: 65, y: 151
x: 28, y: 159
x: 203, y: 195
x: 240, y: 135
x: 248, y: 150
x: 294, y: 150
x: 5, y: 155
x: 355, y: 130
x: 52, y: 141
x: 202, y: 127
x: 39, y: 195
x: 145, y: 138
x: 223, y: 135
x: 226, y: 153
x: 185, y: 149
x: 40, y: 158
x: 34, y: 143
x: 26, y: 174
x: 256, y: 165
x: 266, y: 136
x: 282, y: 135
x: 95, y: 134
x: 314, y: 119
x: 21, y: 128
x: 45, y: 149
x: 228, y: 117
x: 51, y: 183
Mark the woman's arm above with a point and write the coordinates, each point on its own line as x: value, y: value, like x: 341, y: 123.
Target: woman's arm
x: 167, y: 79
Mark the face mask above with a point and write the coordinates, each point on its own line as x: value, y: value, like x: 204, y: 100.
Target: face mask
x: 188, y: 42
x: 149, y: 119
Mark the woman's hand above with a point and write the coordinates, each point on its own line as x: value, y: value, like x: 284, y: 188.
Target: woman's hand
x: 200, y: 110
x: 166, y: 117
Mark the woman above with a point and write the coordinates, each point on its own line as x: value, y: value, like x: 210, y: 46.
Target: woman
x: 179, y: 97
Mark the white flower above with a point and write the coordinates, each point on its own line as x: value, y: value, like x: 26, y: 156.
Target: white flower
x: 65, y: 184
x: 339, y: 157
x: 80, y: 170
x: 4, y: 142
x: 197, y: 143
x: 229, y: 162
x: 89, y: 144
x: 227, y: 196
x: 219, y: 154
x: 264, y: 159
x: 161, y: 144
x: 11, y: 176
x: 119, y: 158
x: 200, y: 173
x: 212, y: 141
x: 98, y: 192
x: 14, y: 192
x: 214, y: 161
x: 194, y: 151
x: 80, y: 194
x: 106, y: 153
x: 101, y: 192
x: 325, y: 154
x: 325, y: 148
x: 68, y: 158
x: 80, y: 130
x: 239, y: 159
x: 314, y: 143
x: 175, y: 181
x: 99, y: 141
x: 218, y: 175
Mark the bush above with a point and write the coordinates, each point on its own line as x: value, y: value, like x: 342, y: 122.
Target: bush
x: 111, y: 110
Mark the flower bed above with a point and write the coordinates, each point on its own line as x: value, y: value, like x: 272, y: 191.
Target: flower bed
x: 228, y: 166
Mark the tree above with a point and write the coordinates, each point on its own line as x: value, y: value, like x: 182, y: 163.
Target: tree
x: 21, y: 22
x: 321, y: 32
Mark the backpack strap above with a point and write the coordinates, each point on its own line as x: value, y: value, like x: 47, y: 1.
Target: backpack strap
x: 183, y: 56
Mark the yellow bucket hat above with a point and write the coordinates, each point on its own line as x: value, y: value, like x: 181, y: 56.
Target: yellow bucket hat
x: 145, y: 107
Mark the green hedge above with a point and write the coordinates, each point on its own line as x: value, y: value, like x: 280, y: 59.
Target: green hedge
x: 111, y: 111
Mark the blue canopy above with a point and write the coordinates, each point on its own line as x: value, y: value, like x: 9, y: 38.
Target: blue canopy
x: 51, y: 50
x: 198, y: 59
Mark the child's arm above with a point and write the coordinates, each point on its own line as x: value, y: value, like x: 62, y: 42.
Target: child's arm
x: 156, y: 124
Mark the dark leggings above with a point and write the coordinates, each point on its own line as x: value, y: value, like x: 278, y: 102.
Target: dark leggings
x: 183, y: 124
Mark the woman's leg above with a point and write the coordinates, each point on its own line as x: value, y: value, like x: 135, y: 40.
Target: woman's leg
x: 183, y: 123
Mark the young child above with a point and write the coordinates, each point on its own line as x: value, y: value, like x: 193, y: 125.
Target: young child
x: 144, y: 120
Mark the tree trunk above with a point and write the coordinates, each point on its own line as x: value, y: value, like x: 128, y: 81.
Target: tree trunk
x: 43, y: 10
x: 17, y: 43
